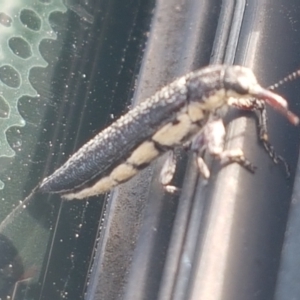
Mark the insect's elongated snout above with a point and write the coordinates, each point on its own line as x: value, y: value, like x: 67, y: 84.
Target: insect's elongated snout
x: 242, y: 81
x: 276, y: 101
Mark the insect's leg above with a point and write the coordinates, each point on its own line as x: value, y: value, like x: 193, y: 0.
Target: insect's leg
x: 235, y: 155
x: 198, y: 146
x: 260, y: 108
x: 264, y: 138
x: 212, y: 138
x: 203, y: 168
x: 167, y: 173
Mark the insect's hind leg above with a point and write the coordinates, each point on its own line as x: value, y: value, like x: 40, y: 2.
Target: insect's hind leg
x: 212, y: 139
x: 259, y: 107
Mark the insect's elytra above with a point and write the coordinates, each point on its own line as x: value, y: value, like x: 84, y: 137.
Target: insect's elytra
x: 175, y: 115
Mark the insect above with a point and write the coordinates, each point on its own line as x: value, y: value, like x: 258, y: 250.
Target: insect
x: 185, y: 112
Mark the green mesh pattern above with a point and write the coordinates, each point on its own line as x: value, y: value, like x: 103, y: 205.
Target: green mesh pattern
x: 23, y: 25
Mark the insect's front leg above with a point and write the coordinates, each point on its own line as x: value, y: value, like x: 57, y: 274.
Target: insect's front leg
x: 212, y: 138
x: 264, y: 138
x: 259, y: 107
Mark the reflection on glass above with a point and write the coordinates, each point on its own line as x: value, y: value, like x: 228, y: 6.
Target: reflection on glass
x: 22, y: 28
x: 24, y: 25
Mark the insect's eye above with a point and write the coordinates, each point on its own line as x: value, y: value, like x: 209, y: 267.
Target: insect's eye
x: 239, y: 80
x: 241, y: 86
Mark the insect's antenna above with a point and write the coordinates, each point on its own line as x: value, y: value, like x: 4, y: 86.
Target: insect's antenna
x: 18, y: 209
x: 286, y: 79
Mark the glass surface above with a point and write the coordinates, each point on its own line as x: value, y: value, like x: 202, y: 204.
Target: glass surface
x: 67, y: 70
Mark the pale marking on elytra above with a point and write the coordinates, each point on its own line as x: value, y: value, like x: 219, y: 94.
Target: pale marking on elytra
x: 215, y: 100
x: 123, y: 172
x: 144, y: 154
x: 100, y: 187
x: 172, y: 134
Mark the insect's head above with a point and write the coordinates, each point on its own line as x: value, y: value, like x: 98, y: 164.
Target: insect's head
x: 241, y: 82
